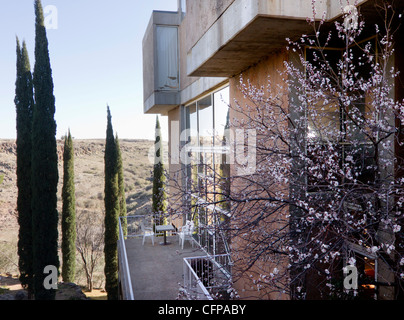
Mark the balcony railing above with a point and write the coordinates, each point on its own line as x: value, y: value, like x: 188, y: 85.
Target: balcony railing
x: 125, y: 280
x: 133, y: 230
x: 133, y: 225
x: 207, y: 278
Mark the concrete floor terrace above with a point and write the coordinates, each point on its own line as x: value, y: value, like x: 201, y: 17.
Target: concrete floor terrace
x: 157, y: 271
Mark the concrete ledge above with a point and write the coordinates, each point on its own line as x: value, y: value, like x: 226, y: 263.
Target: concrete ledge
x: 249, y: 30
x: 161, y: 102
x: 200, y: 87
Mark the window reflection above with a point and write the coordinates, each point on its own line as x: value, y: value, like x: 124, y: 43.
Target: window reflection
x: 208, y: 121
x: 205, y: 120
x: 221, y: 116
x: 167, y: 58
x: 346, y: 127
x: 221, y: 139
x: 192, y: 124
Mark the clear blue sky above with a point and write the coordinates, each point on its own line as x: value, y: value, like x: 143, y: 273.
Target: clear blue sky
x: 96, y: 58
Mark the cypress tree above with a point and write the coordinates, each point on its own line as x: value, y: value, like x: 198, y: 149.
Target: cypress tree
x: 121, y: 185
x: 111, y: 200
x: 159, y: 205
x: 68, y: 213
x: 44, y: 164
x: 24, y: 101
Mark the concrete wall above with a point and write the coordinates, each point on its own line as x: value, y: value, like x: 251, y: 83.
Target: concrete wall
x: 148, y: 61
x: 200, y: 17
x: 248, y: 29
x: 185, y: 81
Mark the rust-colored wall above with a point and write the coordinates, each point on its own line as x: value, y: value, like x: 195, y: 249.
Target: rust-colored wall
x: 258, y: 76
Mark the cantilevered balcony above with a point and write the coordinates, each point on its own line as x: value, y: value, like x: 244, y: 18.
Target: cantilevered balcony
x: 161, y: 84
x: 249, y: 30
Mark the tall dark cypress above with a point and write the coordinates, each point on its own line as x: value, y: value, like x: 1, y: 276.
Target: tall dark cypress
x: 111, y: 200
x: 121, y: 186
x: 159, y: 198
x: 68, y: 213
x: 44, y: 164
x: 24, y: 101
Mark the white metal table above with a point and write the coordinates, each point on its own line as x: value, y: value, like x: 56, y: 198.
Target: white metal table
x: 165, y: 229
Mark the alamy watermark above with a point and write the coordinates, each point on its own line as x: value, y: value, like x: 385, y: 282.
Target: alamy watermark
x: 51, y: 17
x: 350, y: 278
x: 51, y: 280
x: 234, y: 147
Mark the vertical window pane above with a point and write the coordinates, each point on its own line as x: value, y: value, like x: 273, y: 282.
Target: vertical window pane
x: 167, y: 58
x: 192, y: 124
x: 221, y: 140
x: 324, y: 121
x: 221, y: 101
x: 205, y: 112
x: 205, y: 120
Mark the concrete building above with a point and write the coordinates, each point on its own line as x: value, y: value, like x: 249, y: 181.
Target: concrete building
x: 193, y: 59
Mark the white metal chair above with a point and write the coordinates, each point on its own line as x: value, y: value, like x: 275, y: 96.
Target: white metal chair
x: 186, y: 233
x: 147, y: 232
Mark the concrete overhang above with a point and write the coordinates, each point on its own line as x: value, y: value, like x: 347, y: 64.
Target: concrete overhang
x: 250, y: 30
x: 161, y: 102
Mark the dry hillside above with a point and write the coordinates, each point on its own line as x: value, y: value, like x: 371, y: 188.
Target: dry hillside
x: 89, y: 176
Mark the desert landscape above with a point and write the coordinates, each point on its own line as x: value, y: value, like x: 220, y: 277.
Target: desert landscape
x: 89, y: 178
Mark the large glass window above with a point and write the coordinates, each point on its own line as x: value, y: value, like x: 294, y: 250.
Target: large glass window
x: 167, y: 58
x: 221, y: 141
x: 329, y: 120
x: 367, y: 270
x: 207, y: 121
